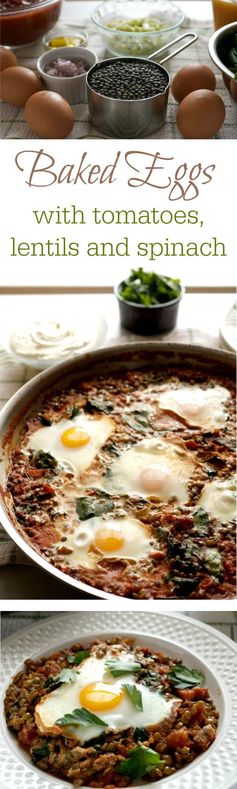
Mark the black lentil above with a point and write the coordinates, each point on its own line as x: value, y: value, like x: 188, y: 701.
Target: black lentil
x: 128, y: 80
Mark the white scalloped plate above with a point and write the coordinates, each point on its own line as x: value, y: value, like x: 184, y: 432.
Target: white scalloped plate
x: 214, y: 770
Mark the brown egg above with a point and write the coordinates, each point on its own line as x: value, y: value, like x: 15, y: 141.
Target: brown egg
x: 49, y: 115
x: 17, y: 85
x: 200, y: 115
x: 7, y: 58
x: 190, y: 78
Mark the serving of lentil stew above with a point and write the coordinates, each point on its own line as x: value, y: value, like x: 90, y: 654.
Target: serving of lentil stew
x: 105, y: 761
x: 191, y: 549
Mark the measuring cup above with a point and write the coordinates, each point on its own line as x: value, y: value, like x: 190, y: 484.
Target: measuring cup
x: 132, y: 117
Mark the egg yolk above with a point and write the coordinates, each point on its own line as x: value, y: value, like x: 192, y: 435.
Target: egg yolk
x: 153, y: 479
x: 99, y: 697
x: 108, y: 540
x: 75, y: 437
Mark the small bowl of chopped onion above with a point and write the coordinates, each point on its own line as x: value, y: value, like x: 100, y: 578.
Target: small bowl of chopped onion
x: 63, y: 70
x: 148, y: 302
x: 137, y: 27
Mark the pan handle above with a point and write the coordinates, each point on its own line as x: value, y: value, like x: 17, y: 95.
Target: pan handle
x: 192, y: 36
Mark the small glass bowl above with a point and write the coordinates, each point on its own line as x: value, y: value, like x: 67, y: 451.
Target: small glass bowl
x: 137, y: 43
x: 75, y: 37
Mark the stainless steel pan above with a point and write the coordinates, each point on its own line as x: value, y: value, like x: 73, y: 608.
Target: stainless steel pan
x: 105, y: 361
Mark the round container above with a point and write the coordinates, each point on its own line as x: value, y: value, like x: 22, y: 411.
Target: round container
x: 73, y: 89
x: 120, y: 42
x: 79, y: 36
x: 219, y: 46
x: 127, y: 118
x: 24, y: 24
x: 155, y: 319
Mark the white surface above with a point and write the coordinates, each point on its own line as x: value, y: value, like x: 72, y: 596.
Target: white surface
x: 217, y: 768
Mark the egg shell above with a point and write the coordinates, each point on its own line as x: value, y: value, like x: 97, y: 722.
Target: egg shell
x: 200, y: 115
x: 18, y: 84
x: 190, y: 78
x: 7, y: 58
x: 49, y: 115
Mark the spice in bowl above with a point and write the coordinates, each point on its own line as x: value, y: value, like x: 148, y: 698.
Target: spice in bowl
x: 128, y: 79
x: 64, y: 67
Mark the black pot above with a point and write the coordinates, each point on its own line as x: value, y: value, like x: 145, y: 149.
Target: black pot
x: 156, y: 319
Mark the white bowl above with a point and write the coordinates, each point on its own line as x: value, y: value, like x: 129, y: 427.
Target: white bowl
x: 73, y: 89
x: 168, y: 646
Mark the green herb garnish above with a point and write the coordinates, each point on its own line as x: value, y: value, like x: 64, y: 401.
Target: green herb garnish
x: 140, y: 734
x: 66, y: 675
x: 141, y: 760
x: 118, y: 668
x: 182, y: 677
x: 147, y: 288
x: 96, y: 404
x: 134, y: 695
x: 78, y: 657
x: 75, y: 411
x: 201, y: 522
x: 44, y: 460
x: 212, y: 559
x: 90, y: 506
x: 41, y: 752
x: 80, y: 717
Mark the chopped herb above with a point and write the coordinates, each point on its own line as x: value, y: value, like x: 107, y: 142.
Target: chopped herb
x: 119, y: 667
x: 112, y: 449
x: 201, y: 522
x: 75, y: 411
x: 95, y: 404
x: 182, y: 677
x: 45, y: 421
x: 41, y: 752
x: 213, y: 561
x: 147, y: 288
x: 90, y: 506
x: 80, y: 717
x: 134, y: 695
x: 44, y: 460
x: 140, y: 734
x: 66, y: 675
x: 78, y: 657
x: 141, y: 760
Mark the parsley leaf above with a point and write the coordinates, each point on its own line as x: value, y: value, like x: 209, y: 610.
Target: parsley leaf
x: 41, y: 752
x: 66, y: 675
x: 78, y: 657
x: 134, y: 695
x: 141, y: 760
x: 119, y: 667
x: 182, y: 677
x: 80, y: 717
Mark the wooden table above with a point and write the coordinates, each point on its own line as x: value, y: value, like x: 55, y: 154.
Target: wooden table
x: 198, y: 17
x: 199, y: 319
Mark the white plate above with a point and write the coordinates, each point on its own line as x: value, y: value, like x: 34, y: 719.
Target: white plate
x: 216, y: 769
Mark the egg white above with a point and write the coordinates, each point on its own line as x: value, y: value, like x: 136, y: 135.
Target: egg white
x: 202, y: 407
x: 137, y: 541
x: 152, y: 467
x: 79, y: 458
x: 219, y: 499
x: 66, y: 698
